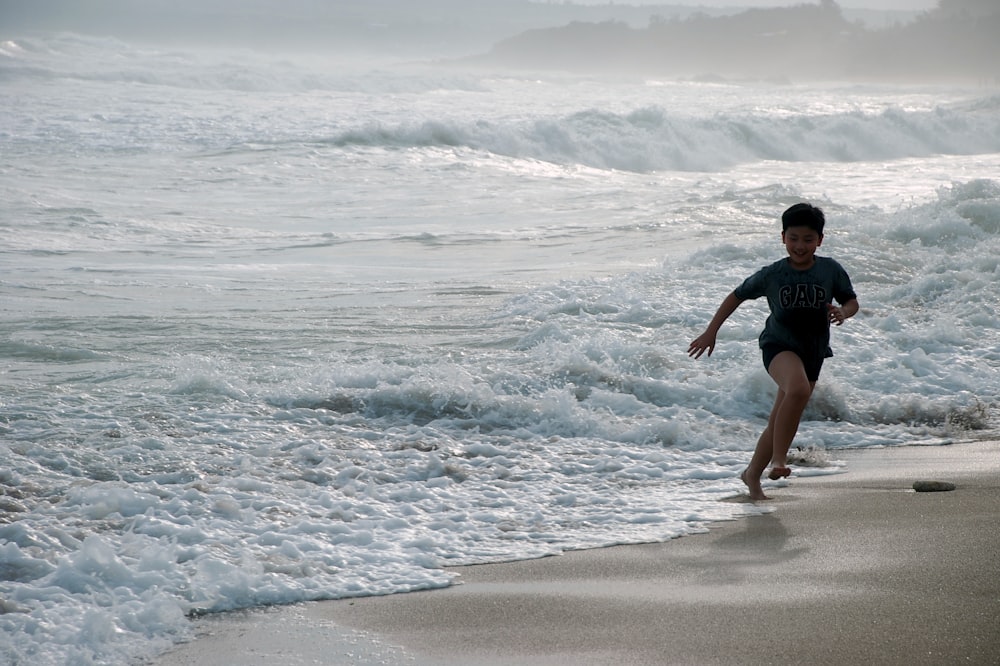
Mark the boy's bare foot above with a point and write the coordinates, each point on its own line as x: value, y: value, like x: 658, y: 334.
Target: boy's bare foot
x: 753, y: 485
x: 779, y: 473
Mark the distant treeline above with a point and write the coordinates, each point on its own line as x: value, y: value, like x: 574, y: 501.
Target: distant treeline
x: 960, y: 39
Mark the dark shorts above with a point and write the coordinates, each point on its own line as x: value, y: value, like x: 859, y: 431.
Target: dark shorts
x: 812, y: 364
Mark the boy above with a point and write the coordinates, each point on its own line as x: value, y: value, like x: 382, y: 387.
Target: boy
x: 796, y: 339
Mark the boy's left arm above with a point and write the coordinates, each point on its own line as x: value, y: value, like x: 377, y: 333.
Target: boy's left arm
x: 847, y: 309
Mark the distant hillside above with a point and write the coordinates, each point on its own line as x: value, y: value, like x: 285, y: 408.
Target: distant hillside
x: 393, y: 28
x: 958, y: 40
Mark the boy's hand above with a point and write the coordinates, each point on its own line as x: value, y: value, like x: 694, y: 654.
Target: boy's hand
x: 698, y: 346
x: 836, y: 314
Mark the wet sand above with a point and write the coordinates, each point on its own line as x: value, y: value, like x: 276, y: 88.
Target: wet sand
x: 849, y: 568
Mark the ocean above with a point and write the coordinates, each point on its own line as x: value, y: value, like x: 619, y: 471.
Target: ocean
x: 280, y: 328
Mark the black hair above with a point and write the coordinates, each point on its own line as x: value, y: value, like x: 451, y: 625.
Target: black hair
x: 803, y: 215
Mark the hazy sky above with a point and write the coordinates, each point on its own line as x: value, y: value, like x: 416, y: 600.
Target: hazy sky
x: 918, y: 5
x: 915, y: 5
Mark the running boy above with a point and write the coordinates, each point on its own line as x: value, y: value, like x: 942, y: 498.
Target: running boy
x: 800, y: 290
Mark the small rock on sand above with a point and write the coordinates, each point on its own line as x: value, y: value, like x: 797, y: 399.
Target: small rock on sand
x: 932, y: 486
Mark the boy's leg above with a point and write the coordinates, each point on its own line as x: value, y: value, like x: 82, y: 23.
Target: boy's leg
x: 761, y: 456
x: 794, y: 391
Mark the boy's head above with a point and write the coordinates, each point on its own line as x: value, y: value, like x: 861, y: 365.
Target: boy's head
x: 803, y: 215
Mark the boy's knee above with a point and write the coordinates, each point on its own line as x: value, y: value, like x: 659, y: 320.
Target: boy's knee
x: 798, y: 391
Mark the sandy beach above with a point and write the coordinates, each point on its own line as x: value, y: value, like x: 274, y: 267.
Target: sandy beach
x: 849, y: 568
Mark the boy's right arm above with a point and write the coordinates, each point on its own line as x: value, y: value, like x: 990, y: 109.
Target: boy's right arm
x: 706, y: 341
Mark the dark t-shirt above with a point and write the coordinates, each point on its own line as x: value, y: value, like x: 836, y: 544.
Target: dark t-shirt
x: 798, y: 301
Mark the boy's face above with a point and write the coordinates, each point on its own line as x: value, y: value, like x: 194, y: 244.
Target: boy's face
x: 801, y: 244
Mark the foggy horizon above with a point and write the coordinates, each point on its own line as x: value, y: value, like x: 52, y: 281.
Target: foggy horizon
x: 525, y: 34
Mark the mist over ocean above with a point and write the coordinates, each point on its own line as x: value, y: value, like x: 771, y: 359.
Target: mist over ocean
x: 279, y: 328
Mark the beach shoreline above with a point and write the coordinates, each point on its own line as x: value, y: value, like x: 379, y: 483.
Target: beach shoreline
x: 847, y: 568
